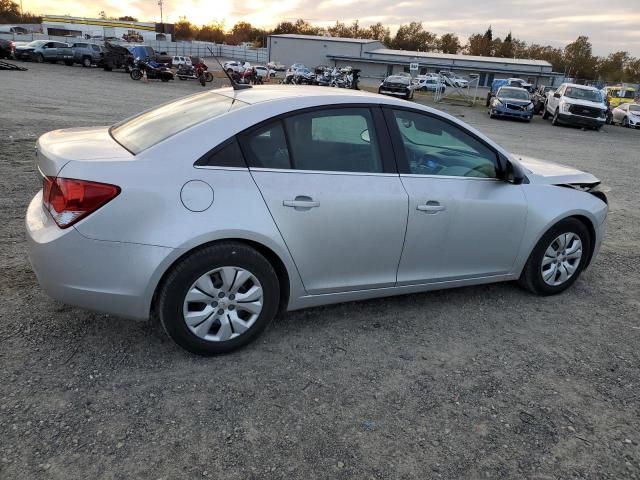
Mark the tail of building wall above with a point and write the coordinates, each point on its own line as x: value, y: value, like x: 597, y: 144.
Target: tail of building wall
x: 198, y: 49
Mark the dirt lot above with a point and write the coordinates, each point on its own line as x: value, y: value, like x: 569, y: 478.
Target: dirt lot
x: 486, y: 382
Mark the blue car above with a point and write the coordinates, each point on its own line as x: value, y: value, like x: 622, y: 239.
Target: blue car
x: 511, y: 102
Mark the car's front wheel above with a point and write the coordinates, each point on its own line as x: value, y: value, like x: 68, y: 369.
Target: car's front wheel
x: 219, y: 298
x: 545, y: 112
x: 555, y: 120
x: 557, y: 259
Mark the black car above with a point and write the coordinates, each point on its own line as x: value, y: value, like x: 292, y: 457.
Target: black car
x: 397, y: 86
x: 6, y: 48
x: 539, y: 97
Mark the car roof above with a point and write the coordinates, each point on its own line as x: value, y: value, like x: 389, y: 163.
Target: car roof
x: 586, y: 87
x: 285, y: 93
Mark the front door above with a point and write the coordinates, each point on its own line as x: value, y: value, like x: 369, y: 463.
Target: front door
x: 328, y: 179
x: 463, y: 221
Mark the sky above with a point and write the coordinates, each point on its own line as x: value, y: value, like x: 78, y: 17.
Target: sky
x: 611, y: 25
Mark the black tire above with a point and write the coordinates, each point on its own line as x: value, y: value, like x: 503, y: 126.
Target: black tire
x: 40, y: 58
x: 86, y: 62
x: 625, y: 122
x: 555, y: 120
x: 531, y: 277
x: 165, y: 78
x: 597, y: 128
x: 230, y: 71
x: 135, y: 74
x: 545, y: 112
x: 175, y: 286
x: 202, y: 80
x: 209, y: 77
x: 488, y: 99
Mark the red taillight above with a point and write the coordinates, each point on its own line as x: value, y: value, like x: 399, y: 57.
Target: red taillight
x: 69, y: 200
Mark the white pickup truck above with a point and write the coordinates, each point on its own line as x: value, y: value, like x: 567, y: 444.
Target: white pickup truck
x: 576, y: 105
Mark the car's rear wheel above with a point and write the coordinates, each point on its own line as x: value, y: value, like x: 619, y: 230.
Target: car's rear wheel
x: 625, y: 122
x: 219, y: 298
x: 557, y: 259
x: 86, y: 62
x: 40, y: 58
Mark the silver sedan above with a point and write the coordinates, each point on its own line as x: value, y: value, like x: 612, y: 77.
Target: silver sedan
x: 627, y: 115
x: 218, y: 210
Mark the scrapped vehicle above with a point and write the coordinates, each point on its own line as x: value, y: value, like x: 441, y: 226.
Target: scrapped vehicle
x: 576, y: 105
x: 116, y: 56
x: 45, y: 51
x: 459, y: 81
x: 508, y: 82
x: 153, y: 70
x: 539, y: 97
x: 145, y: 51
x: 343, y: 196
x: 277, y: 66
x: 627, y: 115
x: 87, y: 54
x: 265, y: 72
x: 615, y: 96
x: 6, y: 48
x: 178, y: 60
x: 511, y: 102
x: 234, y: 66
x: 428, y: 83
x: 397, y: 86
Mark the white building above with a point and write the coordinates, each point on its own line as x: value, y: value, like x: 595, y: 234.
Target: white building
x: 376, y: 61
x: 60, y: 25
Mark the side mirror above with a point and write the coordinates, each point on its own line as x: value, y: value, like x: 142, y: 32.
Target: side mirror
x: 514, y: 174
x: 557, y: 95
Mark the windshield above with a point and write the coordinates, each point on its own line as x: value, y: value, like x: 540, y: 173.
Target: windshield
x: 628, y: 94
x: 634, y: 108
x: 36, y: 43
x: 583, y: 94
x: 513, y: 93
x: 149, y: 128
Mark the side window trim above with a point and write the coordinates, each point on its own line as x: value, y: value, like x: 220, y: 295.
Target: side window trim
x: 207, y: 160
x: 398, y: 145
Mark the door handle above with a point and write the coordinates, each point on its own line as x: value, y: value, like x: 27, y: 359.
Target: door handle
x: 301, y: 202
x: 431, y: 207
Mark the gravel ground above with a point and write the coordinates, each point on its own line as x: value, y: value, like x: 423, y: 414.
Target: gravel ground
x: 481, y: 382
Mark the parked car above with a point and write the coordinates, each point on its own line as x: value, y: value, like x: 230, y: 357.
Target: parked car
x: 509, y: 82
x: 178, y: 60
x: 460, y: 82
x: 264, y: 72
x: 576, y: 105
x: 627, y: 115
x: 428, y: 83
x: 397, y: 86
x: 277, y: 66
x: 6, y: 48
x: 116, y: 56
x: 539, y: 97
x: 45, y: 51
x: 511, y: 102
x: 234, y: 66
x: 144, y: 52
x: 410, y: 210
x: 616, y: 95
x: 87, y: 54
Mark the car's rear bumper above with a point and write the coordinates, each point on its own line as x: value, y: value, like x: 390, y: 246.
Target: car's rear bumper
x: 581, y: 121
x: 106, y: 276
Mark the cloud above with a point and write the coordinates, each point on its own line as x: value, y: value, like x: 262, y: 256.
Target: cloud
x: 547, y: 22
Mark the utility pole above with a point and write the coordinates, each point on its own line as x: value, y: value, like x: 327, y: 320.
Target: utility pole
x: 161, y: 18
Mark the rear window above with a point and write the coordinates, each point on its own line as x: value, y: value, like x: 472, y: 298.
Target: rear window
x: 149, y: 128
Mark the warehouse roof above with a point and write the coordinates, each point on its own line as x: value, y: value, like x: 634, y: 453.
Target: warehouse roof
x: 323, y: 38
x: 449, y: 56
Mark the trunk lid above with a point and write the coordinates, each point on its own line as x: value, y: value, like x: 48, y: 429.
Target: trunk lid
x: 56, y: 148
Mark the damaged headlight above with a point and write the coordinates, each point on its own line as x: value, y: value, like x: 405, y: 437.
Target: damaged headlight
x: 596, y: 189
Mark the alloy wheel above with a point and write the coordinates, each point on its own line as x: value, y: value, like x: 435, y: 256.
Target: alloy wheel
x: 223, y: 304
x: 561, y: 259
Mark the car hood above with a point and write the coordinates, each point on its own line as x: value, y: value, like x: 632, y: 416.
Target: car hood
x: 544, y: 172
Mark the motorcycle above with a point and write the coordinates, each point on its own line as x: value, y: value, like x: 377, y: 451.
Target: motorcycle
x: 154, y: 70
x: 198, y: 71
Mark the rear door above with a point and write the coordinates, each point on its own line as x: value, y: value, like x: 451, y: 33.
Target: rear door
x: 329, y: 180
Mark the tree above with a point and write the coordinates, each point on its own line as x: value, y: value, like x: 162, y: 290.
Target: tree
x: 184, y: 30
x: 379, y: 32
x: 612, y: 68
x: 211, y: 33
x: 449, y: 43
x: 414, y: 37
x: 340, y: 30
x: 127, y: 18
x: 299, y: 27
x: 9, y: 12
x: 555, y: 56
x: 579, y: 59
x: 503, y: 48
